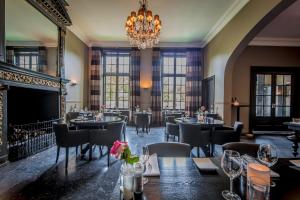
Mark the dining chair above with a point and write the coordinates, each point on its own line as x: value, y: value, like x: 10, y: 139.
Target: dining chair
x: 196, y: 135
x: 225, y: 134
x: 170, y: 149
x: 142, y: 120
x: 105, y: 137
x: 242, y: 147
x: 68, y: 138
x: 172, y: 128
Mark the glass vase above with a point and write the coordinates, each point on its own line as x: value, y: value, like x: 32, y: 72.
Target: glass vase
x: 127, y: 180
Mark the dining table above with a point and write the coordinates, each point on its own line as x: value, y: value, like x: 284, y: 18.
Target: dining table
x: 180, y: 179
x: 90, y: 123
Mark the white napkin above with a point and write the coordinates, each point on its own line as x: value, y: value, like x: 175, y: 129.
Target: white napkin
x: 295, y: 162
x: 152, y: 168
x: 205, y: 164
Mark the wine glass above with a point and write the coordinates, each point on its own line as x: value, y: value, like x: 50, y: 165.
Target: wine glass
x: 267, y: 154
x: 232, y: 166
x: 144, y: 159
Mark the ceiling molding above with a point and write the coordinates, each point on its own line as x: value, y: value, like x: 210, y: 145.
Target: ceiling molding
x: 80, y: 34
x: 272, y: 41
x: 227, y: 16
x: 160, y: 44
x: 31, y: 43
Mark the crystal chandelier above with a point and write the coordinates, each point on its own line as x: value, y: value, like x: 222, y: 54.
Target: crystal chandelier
x: 143, y: 29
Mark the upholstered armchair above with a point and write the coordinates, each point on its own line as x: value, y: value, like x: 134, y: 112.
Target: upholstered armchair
x: 106, y: 137
x: 68, y: 138
x: 225, y: 134
x: 172, y: 129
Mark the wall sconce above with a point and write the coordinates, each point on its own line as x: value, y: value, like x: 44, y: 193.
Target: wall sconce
x: 235, y: 102
x: 73, y: 83
x: 146, y: 84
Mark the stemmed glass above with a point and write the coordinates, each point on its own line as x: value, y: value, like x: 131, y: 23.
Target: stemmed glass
x: 144, y: 159
x: 232, y: 166
x: 267, y: 155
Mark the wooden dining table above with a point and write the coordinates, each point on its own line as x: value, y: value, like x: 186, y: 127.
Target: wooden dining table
x: 180, y: 179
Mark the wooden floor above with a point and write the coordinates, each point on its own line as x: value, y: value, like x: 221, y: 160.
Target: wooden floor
x: 38, y: 177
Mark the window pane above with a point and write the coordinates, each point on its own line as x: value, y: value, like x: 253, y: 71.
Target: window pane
x: 287, y: 80
x: 279, y: 79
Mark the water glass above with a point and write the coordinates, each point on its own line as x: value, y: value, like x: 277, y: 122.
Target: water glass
x: 258, y: 189
x: 267, y: 154
x: 232, y: 166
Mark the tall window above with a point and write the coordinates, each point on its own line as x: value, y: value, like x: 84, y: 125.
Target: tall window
x: 173, y: 80
x: 27, y: 60
x: 116, y: 79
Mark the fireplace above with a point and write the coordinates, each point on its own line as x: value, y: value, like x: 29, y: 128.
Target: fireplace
x: 30, y: 115
x: 26, y: 105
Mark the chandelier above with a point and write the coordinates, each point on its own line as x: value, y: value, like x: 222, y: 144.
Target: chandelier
x: 142, y: 28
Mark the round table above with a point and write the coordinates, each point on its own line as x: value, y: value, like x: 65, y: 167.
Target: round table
x: 91, y: 123
x: 209, y: 122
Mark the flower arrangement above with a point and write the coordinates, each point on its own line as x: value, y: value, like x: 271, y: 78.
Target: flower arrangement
x: 120, y: 150
x: 202, y: 109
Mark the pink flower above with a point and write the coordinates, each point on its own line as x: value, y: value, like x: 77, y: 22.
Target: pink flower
x: 202, y: 108
x: 118, y: 148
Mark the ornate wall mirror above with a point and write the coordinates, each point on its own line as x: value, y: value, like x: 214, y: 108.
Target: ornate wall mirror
x: 32, y: 40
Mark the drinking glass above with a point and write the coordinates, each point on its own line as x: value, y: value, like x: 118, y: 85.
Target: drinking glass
x: 258, y: 189
x: 267, y: 154
x: 144, y: 159
x: 232, y: 166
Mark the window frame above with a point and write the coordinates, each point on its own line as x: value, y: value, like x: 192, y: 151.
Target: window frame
x: 30, y: 54
x: 117, y: 54
x: 175, y: 75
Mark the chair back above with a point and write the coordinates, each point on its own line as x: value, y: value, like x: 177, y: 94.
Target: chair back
x: 238, y: 127
x: 170, y: 119
x: 243, y: 148
x: 107, y: 136
x: 71, y: 115
x: 195, y: 135
x: 142, y: 119
x: 170, y: 149
x: 61, y: 131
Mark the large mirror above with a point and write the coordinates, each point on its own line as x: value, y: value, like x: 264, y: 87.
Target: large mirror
x: 31, y: 38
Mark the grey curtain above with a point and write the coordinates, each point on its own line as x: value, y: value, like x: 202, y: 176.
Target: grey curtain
x: 135, y: 67
x: 156, y: 104
x: 94, y: 79
x: 194, y: 75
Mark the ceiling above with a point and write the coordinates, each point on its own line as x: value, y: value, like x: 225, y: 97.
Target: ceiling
x: 283, y: 30
x: 184, y: 21
x: 24, y: 24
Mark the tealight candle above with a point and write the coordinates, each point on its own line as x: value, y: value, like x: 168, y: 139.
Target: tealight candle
x: 262, y: 173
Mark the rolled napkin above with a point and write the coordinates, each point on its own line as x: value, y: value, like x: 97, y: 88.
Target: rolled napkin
x: 205, y: 164
x: 152, y: 168
x: 295, y: 162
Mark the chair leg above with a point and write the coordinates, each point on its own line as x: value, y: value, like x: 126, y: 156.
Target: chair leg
x: 90, y: 152
x: 167, y: 137
x: 67, y: 157
x: 124, y: 133
x: 198, y: 152
x: 100, y: 150
x: 108, y: 156
x: 76, y: 150
x: 57, y: 154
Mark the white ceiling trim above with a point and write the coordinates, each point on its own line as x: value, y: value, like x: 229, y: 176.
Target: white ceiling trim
x: 271, y: 41
x: 227, y: 16
x: 160, y: 44
x: 221, y: 23
x: 30, y: 43
x: 80, y: 34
